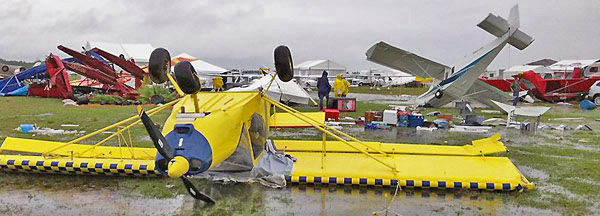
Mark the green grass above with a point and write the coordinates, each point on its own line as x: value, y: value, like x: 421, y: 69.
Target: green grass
x: 50, y: 112
x: 391, y: 91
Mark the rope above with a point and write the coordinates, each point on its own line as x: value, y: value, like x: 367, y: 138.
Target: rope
x: 387, y: 206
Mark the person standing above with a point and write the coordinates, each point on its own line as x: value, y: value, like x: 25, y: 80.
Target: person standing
x: 340, y: 86
x: 516, y: 88
x: 218, y: 83
x: 324, y: 88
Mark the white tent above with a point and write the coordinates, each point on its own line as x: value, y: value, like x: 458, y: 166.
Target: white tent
x: 140, y: 52
x: 514, y: 70
x: 281, y: 91
x: 316, y: 67
x: 568, y: 65
x: 202, y: 67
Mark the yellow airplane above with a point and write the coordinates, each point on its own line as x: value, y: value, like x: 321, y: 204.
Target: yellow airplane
x: 206, y: 130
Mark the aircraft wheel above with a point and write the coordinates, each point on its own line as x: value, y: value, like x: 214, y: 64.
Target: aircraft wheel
x: 439, y: 94
x: 187, y: 78
x: 597, y: 99
x: 283, y: 63
x: 159, y: 65
x: 157, y: 99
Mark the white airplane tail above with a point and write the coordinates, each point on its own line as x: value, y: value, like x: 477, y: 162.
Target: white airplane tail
x: 499, y: 26
x: 513, y: 18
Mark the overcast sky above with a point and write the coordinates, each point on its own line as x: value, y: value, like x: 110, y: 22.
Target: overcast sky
x: 243, y: 34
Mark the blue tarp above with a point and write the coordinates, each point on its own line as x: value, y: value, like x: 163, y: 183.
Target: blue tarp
x: 15, y: 82
x: 19, y: 92
x: 587, y: 105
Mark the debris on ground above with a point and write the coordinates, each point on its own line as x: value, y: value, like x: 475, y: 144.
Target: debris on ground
x: 69, y: 102
x: 470, y: 129
x: 491, y: 111
x: 564, y: 104
x: 544, y: 126
x: 69, y: 125
x: 562, y: 127
x: 334, y: 123
x: 494, y: 121
x: 31, y: 128
x: 583, y: 127
x: 430, y: 129
x: 434, y: 113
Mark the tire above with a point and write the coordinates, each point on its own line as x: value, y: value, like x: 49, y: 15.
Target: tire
x: 283, y: 63
x: 186, y: 78
x: 81, y: 99
x: 159, y: 65
x: 439, y: 94
x: 157, y: 99
x: 597, y: 99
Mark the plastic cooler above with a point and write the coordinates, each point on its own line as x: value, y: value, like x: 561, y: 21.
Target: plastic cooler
x: 390, y: 117
x: 332, y: 114
x: 415, y: 120
x: 403, y: 119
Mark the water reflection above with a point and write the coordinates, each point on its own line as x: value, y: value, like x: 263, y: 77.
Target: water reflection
x: 361, y: 200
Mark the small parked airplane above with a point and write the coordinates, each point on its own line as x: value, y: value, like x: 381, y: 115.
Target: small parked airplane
x: 454, y: 84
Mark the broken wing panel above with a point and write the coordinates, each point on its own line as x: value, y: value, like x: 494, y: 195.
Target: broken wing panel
x: 393, y: 57
x: 483, y: 93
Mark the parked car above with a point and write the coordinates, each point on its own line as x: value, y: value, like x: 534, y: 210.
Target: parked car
x: 361, y: 81
x: 594, y: 94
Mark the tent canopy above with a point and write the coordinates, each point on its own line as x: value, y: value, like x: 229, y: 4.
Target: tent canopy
x: 140, y: 52
x: 568, y: 65
x: 319, y: 65
x: 200, y: 66
x: 514, y: 70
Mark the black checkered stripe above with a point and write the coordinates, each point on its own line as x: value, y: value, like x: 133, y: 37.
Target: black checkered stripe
x: 403, y: 183
x: 80, y: 167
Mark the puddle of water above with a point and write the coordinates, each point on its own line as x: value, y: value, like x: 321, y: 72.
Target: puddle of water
x: 83, y: 202
x: 254, y: 199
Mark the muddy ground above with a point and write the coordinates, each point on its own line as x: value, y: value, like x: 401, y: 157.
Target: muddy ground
x: 562, y: 164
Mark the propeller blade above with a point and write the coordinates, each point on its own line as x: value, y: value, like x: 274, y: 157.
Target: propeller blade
x: 195, y: 192
x: 159, y: 140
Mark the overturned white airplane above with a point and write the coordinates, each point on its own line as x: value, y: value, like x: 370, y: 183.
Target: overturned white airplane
x: 451, y: 85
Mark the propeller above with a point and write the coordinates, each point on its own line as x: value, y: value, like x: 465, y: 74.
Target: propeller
x: 165, y: 150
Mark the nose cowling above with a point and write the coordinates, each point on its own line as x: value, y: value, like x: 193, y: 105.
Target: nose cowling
x: 193, y: 153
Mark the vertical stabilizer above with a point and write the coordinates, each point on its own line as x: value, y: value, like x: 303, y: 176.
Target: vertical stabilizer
x: 513, y: 18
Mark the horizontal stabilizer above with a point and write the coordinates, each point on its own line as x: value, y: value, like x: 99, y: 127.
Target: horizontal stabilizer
x: 498, y: 26
x: 405, y: 61
x: 520, y: 40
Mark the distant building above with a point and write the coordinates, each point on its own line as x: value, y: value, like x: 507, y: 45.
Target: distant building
x: 316, y: 67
